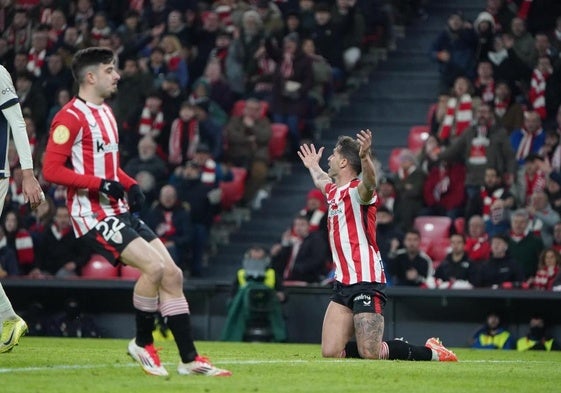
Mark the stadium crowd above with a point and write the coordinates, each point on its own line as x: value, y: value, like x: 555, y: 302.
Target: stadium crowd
x: 212, y: 93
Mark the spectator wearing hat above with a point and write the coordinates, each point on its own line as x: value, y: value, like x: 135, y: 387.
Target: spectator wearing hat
x: 500, y: 270
x: 314, y: 210
x: 409, y: 184
x: 292, y: 82
x: 484, y: 27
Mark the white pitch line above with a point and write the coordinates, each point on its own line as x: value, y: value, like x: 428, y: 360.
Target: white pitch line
x: 65, y: 367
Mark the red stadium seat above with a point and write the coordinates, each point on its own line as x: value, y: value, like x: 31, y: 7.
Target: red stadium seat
x: 237, y: 109
x: 129, y: 273
x: 232, y: 191
x: 433, y: 227
x: 438, y: 250
x: 393, y: 163
x: 460, y: 225
x: 279, y: 139
x: 417, y: 137
x: 99, y: 268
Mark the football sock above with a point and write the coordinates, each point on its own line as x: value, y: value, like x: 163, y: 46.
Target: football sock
x: 401, y: 350
x: 180, y: 326
x: 393, y: 350
x: 144, y: 326
x: 176, y: 311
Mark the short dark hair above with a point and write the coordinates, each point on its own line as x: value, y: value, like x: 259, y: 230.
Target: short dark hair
x: 348, y: 148
x: 88, y: 57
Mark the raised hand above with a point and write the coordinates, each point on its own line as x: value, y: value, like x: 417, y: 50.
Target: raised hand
x: 364, y: 138
x: 309, y: 156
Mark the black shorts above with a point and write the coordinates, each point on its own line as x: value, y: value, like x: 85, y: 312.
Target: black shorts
x: 361, y: 297
x: 114, y: 233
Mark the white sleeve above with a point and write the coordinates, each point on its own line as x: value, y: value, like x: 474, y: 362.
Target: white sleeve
x: 19, y: 133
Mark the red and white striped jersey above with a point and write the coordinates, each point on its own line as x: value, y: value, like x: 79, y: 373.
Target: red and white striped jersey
x: 352, y: 235
x: 88, y: 135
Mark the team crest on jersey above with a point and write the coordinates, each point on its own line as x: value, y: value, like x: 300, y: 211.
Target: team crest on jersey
x: 333, y: 208
x: 117, y: 238
x: 61, y: 134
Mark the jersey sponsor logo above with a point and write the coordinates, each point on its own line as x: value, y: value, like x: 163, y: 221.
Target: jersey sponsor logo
x: 101, y: 146
x: 110, y: 229
x: 61, y: 135
x: 366, y: 299
x: 7, y: 90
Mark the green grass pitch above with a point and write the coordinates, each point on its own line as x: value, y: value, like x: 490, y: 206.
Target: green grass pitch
x: 88, y: 365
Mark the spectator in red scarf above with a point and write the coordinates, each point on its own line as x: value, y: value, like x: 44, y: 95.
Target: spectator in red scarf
x: 484, y: 82
x: 171, y: 221
x: 538, y: 85
x: 315, y: 209
x: 477, y: 245
x: 528, y: 139
x: 443, y: 192
x: 548, y: 269
x: 60, y: 253
x: 20, y: 241
x: 459, y: 111
x: 493, y: 200
x: 530, y: 179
